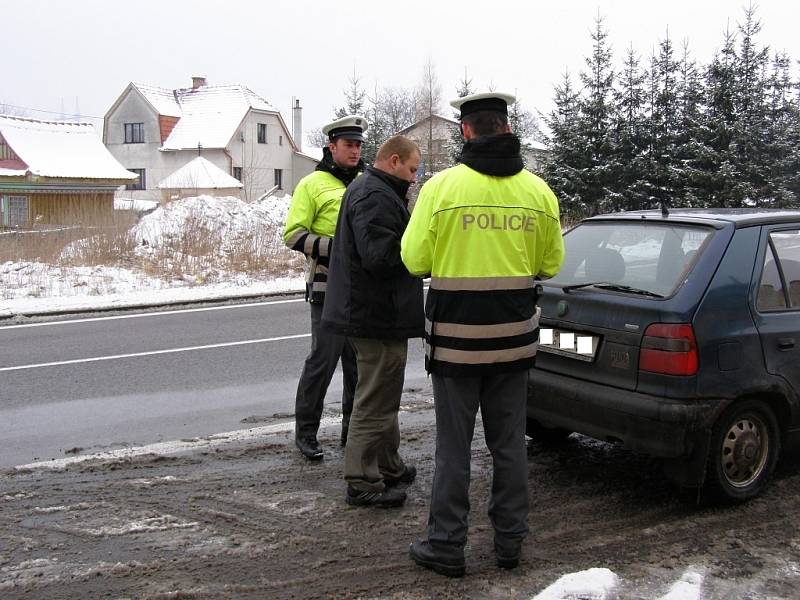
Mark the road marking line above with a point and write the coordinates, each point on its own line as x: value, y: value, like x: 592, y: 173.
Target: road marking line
x: 173, y: 447
x: 154, y: 352
x: 149, y: 314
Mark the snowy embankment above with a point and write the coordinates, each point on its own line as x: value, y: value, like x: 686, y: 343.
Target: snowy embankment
x: 159, y: 239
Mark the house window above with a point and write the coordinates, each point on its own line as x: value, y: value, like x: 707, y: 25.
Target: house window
x: 15, y: 211
x: 139, y: 184
x: 134, y: 133
x: 262, y: 133
x: 279, y: 178
x: 280, y: 140
x: 237, y: 173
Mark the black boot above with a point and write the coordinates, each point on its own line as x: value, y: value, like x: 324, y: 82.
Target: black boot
x: 507, y: 554
x: 445, y: 559
x: 388, y: 498
x: 309, y: 447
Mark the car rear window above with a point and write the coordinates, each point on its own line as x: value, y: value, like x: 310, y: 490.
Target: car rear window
x: 653, y: 257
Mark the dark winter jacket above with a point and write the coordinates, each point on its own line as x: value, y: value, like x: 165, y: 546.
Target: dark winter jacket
x: 370, y: 292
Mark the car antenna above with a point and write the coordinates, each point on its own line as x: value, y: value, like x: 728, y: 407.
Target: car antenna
x: 664, y: 211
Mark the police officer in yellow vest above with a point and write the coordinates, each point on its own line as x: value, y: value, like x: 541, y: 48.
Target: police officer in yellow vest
x: 484, y: 230
x: 310, y: 225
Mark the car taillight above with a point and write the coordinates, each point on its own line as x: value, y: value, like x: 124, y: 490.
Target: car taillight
x: 669, y: 349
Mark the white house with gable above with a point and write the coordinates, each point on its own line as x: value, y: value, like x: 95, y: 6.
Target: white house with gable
x: 154, y: 132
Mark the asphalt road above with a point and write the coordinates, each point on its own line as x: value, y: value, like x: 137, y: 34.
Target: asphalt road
x: 102, y: 382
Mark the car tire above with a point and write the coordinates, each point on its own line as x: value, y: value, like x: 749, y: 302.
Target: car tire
x: 544, y: 434
x: 745, y: 444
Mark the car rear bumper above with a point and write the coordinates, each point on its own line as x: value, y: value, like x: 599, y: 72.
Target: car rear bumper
x: 654, y: 425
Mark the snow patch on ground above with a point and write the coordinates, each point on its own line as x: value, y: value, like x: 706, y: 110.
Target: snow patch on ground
x: 30, y: 287
x: 688, y: 587
x: 147, y: 525
x: 592, y: 584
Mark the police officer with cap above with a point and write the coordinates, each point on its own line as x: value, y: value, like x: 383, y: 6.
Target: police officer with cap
x: 310, y: 226
x: 484, y: 231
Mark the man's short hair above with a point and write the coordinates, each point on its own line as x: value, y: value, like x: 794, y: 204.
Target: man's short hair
x: 398, y: 144
x: 486, y: 122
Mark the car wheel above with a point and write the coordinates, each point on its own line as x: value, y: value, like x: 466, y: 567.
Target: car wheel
x: 745, y: 444
x: 546, y: 435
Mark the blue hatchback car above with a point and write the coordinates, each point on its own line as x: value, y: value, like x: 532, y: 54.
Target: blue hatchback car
x: 678, y: 335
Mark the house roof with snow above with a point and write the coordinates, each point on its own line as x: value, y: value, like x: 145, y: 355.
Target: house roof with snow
x: 208, y: 115
x: 56, y: 149
x: 200, y: 173
x: 435, y: 117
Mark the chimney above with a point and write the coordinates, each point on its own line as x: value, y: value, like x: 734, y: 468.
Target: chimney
x: 297, y: 124
x: 198, y: 82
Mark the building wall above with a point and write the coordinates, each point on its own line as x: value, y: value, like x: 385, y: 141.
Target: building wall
x: 135, y: 109
x: 259, y: 160
x: 79, y: 208
x: 303, y: 165
x: 439, y: 134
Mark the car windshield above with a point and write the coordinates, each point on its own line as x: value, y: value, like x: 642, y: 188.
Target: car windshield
x: 650, y: 259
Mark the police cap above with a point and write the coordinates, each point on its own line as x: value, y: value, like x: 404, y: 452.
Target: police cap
x: 351, y: 127
x: 497, y: 101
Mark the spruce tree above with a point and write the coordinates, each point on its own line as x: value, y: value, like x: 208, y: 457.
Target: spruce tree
x: 567, y: 157
x: 750, y: 105
x: 456, y: 142
x: 595, y: 122
x: 716, y: 160
x: 630, y: 135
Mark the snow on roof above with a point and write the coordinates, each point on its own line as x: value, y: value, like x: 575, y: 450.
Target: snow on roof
x: 209, y: 115
x: 199, y: 173
x: 60, y: 149
x: 163, y: 100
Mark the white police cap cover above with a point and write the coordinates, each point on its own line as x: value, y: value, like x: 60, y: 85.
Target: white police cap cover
x: 351, y: 127
x: 497, y: 101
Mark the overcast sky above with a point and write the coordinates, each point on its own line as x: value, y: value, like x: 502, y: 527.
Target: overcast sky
x: 85, y: 52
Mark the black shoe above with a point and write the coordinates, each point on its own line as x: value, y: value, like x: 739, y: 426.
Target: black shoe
x: 309, y: 447
x: 385, y: 499
x: 409, y: 475
x: 445, y: 559
x: 507, y: 555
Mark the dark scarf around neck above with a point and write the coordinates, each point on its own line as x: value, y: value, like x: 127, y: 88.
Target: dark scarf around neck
x: 496, y: 155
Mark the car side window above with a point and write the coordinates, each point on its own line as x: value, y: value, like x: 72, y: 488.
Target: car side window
x: 770, y: 290
x: 787, y: 247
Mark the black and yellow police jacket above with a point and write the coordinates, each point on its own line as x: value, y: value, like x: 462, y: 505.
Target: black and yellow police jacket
x: 484, y: 231
x: 311, y: 220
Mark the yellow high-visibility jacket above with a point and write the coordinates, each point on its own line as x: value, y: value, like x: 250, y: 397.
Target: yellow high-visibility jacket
x: 310, y: 225
x: 484, y: 240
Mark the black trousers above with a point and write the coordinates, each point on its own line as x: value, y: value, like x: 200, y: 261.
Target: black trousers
x: 326, y: 349
x: 502, y: 402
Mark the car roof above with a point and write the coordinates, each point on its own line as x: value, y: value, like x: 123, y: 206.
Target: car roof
x: 716, y: 217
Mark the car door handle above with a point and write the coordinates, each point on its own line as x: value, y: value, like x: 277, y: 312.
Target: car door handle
x: 785, y: 343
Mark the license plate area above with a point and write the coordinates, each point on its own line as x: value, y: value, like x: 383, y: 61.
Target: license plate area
x: 565, y: 342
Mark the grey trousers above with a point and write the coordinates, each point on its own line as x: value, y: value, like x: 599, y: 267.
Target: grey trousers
x: 374, y: 438
x: 326, y: 349
x: 502, y: 402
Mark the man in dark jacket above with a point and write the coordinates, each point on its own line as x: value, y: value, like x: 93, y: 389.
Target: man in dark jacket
x: 374, y: 301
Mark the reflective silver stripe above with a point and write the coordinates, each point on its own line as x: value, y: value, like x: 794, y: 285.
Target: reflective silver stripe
x: 308, y: 245
x: 482, y: 331
x: 497, y: 330
x: 482, y: 283
x: 319, y: 286
x: 295, y: 237
x: 324, y: 246
x: 479, y: 357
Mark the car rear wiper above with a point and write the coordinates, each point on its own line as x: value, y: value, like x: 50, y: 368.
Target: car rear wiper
x: 606, y: 285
